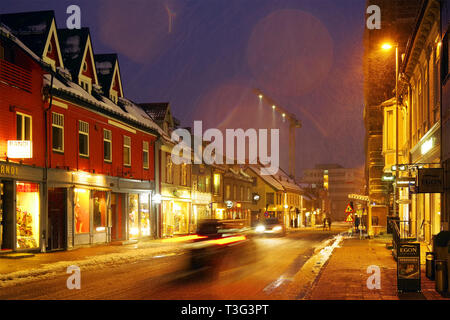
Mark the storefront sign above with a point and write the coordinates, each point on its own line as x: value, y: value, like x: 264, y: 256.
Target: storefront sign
x: 430, y: 180
x: 9, y: 170
x: 408, y: 267
x: 229, y: 204
x: 19, y: 149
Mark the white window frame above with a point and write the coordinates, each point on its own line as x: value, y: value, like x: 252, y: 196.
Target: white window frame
x: 23, y: 115
x: 58, y: 122
x: 145, y: 148
x: 125, y: 145
x: 83, y: 129
x: 107, y: 138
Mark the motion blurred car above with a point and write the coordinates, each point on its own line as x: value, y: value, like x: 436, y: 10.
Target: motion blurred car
x: 270, y: 226
x: 220, y: 245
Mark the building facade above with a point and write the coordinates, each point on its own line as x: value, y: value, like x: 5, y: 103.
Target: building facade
x: 90, y: 149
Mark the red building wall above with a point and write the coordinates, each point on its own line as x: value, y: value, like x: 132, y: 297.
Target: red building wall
x: 95, y: 163
x: 14, y: 99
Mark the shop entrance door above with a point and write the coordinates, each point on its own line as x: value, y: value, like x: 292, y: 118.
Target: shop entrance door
x: 57, y: 219
x: 7, y: 216
x: 117, y: 217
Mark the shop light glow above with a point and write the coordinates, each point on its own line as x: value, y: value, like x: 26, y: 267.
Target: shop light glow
x: 427, y: 146
x: 78, y: 190
x: 100, y: 229
x: 227, y: 240
x: 184, y: 238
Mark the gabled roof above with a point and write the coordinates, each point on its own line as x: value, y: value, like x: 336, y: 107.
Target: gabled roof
x: 32, y: 28
x: 107, y: 66
x: 156, y: 110
x: 75, y: 44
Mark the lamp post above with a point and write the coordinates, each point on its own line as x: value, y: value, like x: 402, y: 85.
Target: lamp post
x: 386, y: 47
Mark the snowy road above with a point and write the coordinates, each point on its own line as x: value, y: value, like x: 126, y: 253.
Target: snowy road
x: 164, y: 276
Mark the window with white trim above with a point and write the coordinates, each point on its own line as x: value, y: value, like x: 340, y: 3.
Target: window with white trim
x: 83, y: 138
x: 58, y: 132
x: 107, y: 145
x: 23, y: 127
x: 145, y: 158
x: 126, y: 151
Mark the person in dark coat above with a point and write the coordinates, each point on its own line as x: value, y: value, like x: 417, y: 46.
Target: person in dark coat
x: 329, y: 223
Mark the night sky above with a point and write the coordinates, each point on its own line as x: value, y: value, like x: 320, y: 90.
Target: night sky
x: 206, y: 58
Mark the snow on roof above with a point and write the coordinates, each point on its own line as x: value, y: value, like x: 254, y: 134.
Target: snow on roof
x: 267, y: 178
x: 4, y: 30
x: 105, y: 103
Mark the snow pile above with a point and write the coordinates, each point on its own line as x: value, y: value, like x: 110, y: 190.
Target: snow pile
x: 47, y: 271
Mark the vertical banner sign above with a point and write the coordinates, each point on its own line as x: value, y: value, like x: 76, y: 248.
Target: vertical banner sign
x: 408, y: 267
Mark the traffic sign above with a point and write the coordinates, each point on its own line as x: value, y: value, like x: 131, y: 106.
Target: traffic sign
x: 349, y: 209
x: 349, y: 218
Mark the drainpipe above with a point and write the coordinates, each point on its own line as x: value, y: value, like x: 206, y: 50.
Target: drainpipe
x: 44, y: 232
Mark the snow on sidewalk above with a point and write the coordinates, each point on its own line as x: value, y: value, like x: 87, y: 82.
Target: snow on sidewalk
x: 48, y: 270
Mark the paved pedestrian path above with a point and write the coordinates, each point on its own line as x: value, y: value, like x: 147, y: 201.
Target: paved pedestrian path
x: 344, y: 276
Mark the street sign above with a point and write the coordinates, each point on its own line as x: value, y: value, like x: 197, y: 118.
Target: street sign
x: 349, y: 218
x: 408, y: 267
x: 349, y: 209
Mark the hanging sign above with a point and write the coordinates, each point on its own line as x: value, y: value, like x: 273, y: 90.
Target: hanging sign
x: 430, y: 180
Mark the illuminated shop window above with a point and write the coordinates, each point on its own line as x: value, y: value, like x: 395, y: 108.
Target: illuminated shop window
x: 133, y: 216
x: 144, y: 208
x: 27, y: 215
x: 99, y: 210
x: 81, y: 199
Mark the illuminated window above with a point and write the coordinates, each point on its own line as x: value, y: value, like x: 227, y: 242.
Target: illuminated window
x: 82, y: 218
x: 216, y: 183
x: 145, y: 159
x: 23, y: 128
x: 99, y: 210
x: 58, y: 132
x: 126, y: 151
x: 227, y: 191
x: 83, y: 138
x: 107, y: 145
x: 27, y: 215
x: 184, y: 174
x: 169, y: 169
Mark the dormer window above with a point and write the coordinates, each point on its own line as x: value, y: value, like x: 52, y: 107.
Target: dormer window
x: 113, y: 96
x: 86, y: 83
x: 84, y: 66
x: 50, y: 48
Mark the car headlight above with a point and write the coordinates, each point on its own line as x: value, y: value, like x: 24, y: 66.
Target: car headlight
x: 260, y: 228
x: 277, y: 228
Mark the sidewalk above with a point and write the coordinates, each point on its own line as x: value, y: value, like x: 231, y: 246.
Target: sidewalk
x: 98, y: 254
x: 344, y: 276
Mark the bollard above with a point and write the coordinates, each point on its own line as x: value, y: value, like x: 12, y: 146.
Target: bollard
x: 430, y: 265
x: 441, y: 276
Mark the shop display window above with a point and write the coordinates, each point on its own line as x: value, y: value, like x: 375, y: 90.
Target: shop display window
x: 133, y: 216
x: 99, y: 210
x: 27, y: 215
x: 168, y: 220
x: 145, y: 214
x: 81, y: 210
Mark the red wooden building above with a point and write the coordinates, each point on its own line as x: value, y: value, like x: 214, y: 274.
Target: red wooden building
x: 77, y: 157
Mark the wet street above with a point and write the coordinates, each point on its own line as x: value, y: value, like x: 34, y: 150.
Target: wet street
x: 274, y: 264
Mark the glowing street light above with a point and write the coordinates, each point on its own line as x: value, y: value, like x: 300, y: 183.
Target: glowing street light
x: 273, y: 107
x: 386, y: 46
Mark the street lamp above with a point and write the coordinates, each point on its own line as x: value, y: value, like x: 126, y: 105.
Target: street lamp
x: 388, y: 46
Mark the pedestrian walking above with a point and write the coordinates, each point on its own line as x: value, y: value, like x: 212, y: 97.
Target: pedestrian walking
x: 329, y: 223
x: 324, y: 224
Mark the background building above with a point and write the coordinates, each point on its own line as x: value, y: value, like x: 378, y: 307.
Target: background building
x: 339, y: 182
